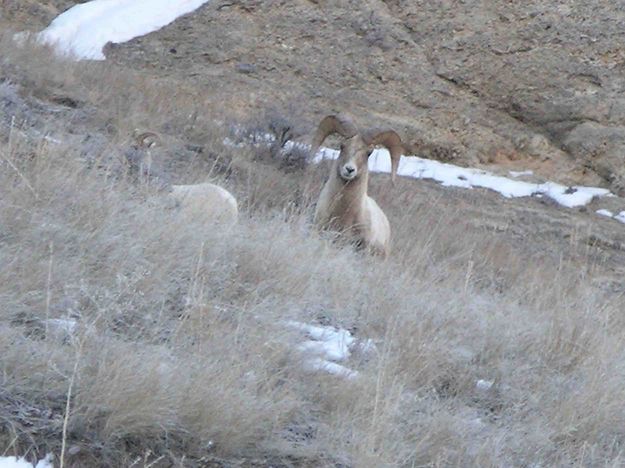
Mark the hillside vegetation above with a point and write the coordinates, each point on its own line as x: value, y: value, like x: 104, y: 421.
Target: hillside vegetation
x: 130, y: 339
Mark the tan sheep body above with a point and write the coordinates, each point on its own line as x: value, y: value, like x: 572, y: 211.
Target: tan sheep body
x: 206, y: 201
x: 343, y: 204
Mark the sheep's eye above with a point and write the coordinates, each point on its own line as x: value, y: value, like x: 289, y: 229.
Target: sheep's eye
x: 369, y: 152
x: 342, y: 146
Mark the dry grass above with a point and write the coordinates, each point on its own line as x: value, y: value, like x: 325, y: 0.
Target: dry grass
x: 179, y: 354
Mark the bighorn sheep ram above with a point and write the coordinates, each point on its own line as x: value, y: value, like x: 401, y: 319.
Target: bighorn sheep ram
x: 206, y: 201
x: 343, y: 204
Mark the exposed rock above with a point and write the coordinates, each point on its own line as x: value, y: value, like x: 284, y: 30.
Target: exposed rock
x: 602, y: 149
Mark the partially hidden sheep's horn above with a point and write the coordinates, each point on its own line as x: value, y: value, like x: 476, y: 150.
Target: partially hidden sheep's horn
x: 391, y: 141
x: 146, y: 139
x: 330, y: 124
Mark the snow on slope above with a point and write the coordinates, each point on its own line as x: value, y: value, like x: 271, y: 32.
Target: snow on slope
x: 449, y: 175
x: 619, y: 216
x: 607, y: 213
x: 83, y: 30
x: 328, y: 345
x: 13, y: 462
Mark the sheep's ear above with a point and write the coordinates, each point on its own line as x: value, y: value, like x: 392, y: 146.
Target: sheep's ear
x: 391, y: 141
x: 330, y: 124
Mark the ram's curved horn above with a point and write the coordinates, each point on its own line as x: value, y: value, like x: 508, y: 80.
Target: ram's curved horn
x: 330, y: 124
x: 146, y: 139
x: 391, y: 141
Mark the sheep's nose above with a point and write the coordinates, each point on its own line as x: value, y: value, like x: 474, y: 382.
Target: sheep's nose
x: 350, y: 169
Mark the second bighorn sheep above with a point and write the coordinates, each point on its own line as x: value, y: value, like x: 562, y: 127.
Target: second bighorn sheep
x: 206, y: 202
x: 343, y: 203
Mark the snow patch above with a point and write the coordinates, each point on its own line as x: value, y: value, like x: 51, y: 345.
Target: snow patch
x: 82, y: 31
x: 618, y: 217
x: 331, y: 343
x: 65, y: 325
x: 60, y: 329
x: 607, y: 213
x: 319, y: 364
x: 484, y: 385
x: 450, y: 175
x: 520, y: 173
x: 14, y: 462
x: 327, y: 346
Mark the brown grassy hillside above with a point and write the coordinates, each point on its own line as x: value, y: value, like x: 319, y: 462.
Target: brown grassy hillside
x: 179, y: 355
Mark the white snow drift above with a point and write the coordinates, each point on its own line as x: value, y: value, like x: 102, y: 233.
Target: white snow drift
x: 455, y: 176
x: 83, y: 30
x: 328, y: 345
x: 619, y: 216
x: 14, y: 462
x: 449, y: 175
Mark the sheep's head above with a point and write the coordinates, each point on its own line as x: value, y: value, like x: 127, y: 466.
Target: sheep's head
x: 353, y: 158
x: 357, y: 147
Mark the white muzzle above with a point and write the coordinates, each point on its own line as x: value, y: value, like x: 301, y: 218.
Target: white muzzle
x: 348, y: 172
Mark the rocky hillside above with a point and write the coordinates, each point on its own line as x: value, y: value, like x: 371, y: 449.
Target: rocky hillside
x: 533, y: 85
